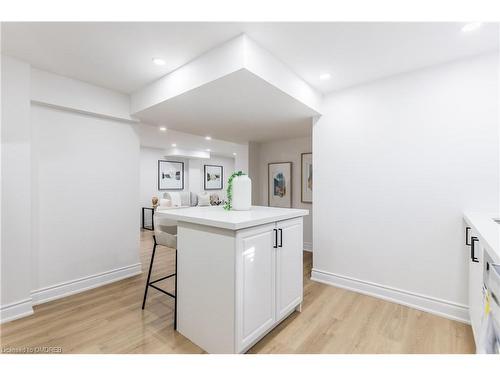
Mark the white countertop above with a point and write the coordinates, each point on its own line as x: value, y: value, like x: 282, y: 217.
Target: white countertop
x: 234, y: 220
x: 487, y: 230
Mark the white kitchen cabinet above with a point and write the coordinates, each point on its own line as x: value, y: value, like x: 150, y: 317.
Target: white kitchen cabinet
x: 255, y: 284
x: 482, y: 249
x: 475, y: 254
x: 289, y: 269
x: 269, y: 281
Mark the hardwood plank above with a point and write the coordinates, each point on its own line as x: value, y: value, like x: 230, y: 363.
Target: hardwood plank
x: 109, y: 319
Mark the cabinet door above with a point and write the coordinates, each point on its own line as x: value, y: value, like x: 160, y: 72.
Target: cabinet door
x: 476, y: 287
x: 289, y: 269
x: 255, y: 284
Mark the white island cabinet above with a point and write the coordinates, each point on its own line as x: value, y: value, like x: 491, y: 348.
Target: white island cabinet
x: 482, y: 247
x: 239, y: 273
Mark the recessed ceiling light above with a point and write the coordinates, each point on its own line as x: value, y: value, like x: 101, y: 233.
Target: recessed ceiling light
x: 158, y: 61
x: 163, y: 129
x: 207, y: 150
x: 234, y: 153
x: 325, y: 76
x: 208, y: 137
x: 471, y: 26
x: 174, y: 144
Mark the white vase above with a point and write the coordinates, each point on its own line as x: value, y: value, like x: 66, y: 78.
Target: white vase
x: 242, y: 193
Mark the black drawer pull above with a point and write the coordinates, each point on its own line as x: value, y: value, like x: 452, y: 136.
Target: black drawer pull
x: 275, y: 238
x: 472, y: 254
x: 467, y: 229
x: 281, y: 237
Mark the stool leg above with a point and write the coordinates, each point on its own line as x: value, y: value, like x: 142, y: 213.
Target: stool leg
x: 175, y: 300
x: 149, y: 273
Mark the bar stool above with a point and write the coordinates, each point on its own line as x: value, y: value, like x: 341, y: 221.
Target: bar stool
x: 165, y: 234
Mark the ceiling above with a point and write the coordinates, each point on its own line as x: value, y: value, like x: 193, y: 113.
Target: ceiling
x: 151, y: 136
x: 118, y: 55
x: 259, y: 112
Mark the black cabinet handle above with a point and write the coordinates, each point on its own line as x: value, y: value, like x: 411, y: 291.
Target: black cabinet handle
x: 472, y: 255
x: 467, y: 229
x: 281, y: 238
x: 275, y: 238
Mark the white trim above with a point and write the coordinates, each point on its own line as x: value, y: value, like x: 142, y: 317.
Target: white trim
x: 16, y: 310
x: 85, y: 283
x: 83, y: 112
x: 444, y: 308
x: 308, y: 246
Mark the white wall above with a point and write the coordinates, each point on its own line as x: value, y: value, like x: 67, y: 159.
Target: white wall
x: 193, y: 173
x: 87, y: 184
x: 282, y: 151
x: 16, y: 190
x: 70, y: 170
x: 254, y: 171
x: 241, y: 159
x: 396, y: 163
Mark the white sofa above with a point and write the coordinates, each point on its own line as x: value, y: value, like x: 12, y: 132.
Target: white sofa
x: 187, y: 198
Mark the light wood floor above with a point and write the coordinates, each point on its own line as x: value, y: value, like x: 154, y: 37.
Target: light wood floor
x: 109, y: 319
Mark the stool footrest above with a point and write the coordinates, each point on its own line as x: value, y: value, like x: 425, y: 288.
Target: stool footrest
x: 161, y: 290
x: 163, y: 278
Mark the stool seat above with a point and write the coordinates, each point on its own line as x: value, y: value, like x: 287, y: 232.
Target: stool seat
x: 166, y: 236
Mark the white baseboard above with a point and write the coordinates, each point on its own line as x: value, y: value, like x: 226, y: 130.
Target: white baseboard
x: 447, y: 309
x: 16, y: 310
x: 308, y: 246
x: 85, y: 283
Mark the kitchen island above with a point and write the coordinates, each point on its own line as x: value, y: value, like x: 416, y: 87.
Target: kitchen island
x: 239, y: 273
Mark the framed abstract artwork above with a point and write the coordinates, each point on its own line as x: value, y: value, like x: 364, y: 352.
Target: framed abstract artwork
x: 214, y: 177
x: 280, y: 184
x: 170, y: 175
x: 306, y: 179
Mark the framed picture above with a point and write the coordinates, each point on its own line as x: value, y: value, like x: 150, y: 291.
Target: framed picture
x: 214, y: 177
x: 306, y: 178
x: 170, y: 175
x: 280, y: 184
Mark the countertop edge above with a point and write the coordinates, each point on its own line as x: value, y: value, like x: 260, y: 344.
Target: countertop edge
x: 236, y: 226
